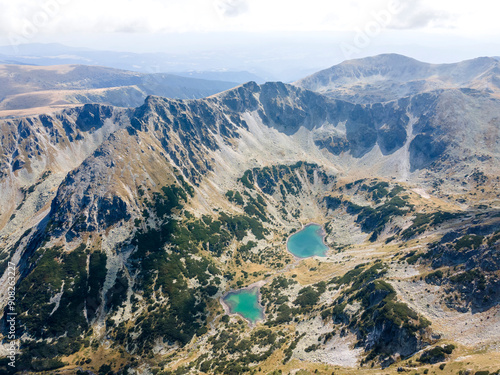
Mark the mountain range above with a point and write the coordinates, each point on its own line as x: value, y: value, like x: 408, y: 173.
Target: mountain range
x: 389, y: 77
x: 42, y: 54
x: 127, y: 226
x: 29, y: 89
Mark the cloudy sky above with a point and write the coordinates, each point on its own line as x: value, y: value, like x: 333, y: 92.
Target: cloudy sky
x: 432, y: 30
x: 477, y: 17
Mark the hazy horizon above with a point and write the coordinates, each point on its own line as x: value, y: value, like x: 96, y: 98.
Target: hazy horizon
x: 284, y: 57
x: 276, y: 40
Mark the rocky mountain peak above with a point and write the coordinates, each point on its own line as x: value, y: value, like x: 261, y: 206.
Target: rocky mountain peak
x: 391, y: 76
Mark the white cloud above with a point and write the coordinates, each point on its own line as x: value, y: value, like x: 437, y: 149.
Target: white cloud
x: 417, y: 15
x: 52, y: 17
x: 231, y: 8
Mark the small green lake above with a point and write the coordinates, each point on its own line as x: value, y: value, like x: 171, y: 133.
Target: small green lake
x: 246, y: 303
x: 307, y: 242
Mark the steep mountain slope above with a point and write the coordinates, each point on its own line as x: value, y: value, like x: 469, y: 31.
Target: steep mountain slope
x: 26, y: 87
x: 439, y: 129
x: 390, y: 76
x: 123, y: 253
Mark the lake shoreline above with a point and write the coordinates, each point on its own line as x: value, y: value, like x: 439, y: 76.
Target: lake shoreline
x: 227, y: 309
x: 323, y: 238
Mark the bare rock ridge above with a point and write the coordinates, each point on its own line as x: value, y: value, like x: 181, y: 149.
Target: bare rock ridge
x: 186, y: 134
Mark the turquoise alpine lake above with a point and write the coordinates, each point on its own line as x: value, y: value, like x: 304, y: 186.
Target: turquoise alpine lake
x: 307, y: 242
x: 246, y: 303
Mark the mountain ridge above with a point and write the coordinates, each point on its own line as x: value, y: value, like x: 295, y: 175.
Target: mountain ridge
x: 392, y: 76
x: 29, y: 87
x: 165, y: 207
x: 246, y: 97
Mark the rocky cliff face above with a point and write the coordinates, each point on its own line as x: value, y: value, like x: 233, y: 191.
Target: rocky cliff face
x: 127, y: 225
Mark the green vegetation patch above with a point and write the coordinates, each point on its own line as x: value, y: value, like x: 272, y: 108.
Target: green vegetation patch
x: 283, y: 178
x: 309, y: 296
x: 469, y: 241
x: 424, y: 221
x: 381, y: 316
x: 374, y: 219
x: 63, y: 319
x: 436, y: 354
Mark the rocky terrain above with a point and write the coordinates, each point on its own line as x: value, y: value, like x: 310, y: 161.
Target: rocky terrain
x: 127, y: 226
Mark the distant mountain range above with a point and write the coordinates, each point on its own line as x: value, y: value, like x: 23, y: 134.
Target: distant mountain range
x: 388, y: 77
x: 148, y: 63
x: 34, y: 89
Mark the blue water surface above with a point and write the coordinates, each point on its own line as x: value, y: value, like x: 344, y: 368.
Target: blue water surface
x: 246, y: 303
x: 307, y: 242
